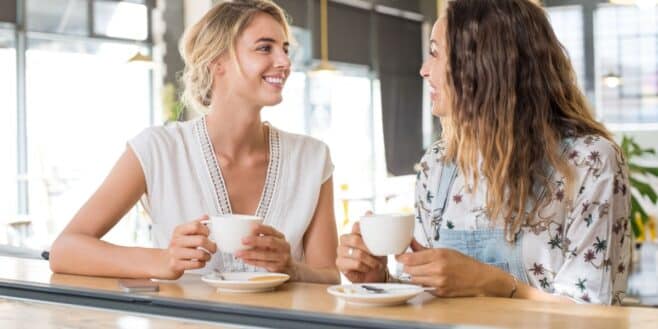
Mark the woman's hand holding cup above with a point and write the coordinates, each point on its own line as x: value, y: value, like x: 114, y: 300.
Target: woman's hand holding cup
x: 190, y: 248
x: 355, y: 260
x: 268, y: 249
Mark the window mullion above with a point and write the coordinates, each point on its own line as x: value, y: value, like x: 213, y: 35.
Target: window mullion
x: 90, y: 18
x: 21, y: 111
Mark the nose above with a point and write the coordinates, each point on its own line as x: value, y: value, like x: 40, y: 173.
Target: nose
x: 282, y: 60
x: 424, y: 70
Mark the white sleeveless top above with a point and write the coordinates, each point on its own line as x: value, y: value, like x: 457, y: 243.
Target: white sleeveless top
x: 184, y: 182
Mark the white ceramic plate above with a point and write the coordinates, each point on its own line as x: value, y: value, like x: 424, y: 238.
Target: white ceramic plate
x: 394, y: 293
x: 245, y: 282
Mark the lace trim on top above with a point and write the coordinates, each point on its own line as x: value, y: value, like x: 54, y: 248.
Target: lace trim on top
x: 221, y: 199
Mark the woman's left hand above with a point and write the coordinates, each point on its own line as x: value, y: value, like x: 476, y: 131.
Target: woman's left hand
x: 452, y: 273
x: 270, y: 250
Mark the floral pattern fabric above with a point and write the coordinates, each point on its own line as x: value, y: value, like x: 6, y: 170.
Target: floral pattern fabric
x: 579, y: 249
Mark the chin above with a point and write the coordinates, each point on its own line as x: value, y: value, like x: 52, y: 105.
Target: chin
x: 439, y: 112
x: 272, y: 101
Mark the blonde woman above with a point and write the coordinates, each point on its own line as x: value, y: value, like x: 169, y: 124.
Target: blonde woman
x: 526, y: 195
x: 227, y: 161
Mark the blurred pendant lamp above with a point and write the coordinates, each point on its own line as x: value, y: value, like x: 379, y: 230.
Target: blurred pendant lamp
x: 139, y: 59
x: 324, y: 68
x: 612, y: 80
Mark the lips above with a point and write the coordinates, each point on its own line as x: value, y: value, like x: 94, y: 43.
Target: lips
x: 433, y: 92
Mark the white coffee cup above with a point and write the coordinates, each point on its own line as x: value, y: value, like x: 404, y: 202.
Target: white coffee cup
x: 387, y: 234
x: 228, y: 230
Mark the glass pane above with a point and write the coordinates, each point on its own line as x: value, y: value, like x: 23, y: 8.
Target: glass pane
x: 350, y: 139
x: 8, y: 171
x: 57, y: 16
x: 84, y: 101
x: 121, y: 20
x: 340, y: 114
x: 567, y: 22
x: 626, y: 50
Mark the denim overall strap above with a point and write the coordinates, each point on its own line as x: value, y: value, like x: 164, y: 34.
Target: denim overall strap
x: 447, y: 179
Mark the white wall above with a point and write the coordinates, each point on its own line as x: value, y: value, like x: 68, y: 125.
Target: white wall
x: 195, y: 9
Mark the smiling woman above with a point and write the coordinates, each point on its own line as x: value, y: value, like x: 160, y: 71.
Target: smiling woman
x: 227, y: 161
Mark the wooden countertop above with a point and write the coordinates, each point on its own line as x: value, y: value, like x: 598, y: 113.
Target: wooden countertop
x: 31, y: 314
x: 497, y: 312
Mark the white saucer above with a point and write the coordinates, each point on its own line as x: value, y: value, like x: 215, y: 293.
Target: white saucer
x: 395, y: 293
x: 242, y: 282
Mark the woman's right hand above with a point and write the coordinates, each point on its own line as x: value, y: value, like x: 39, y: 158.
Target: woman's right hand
x: 355, y: 261
x: 189, y: 249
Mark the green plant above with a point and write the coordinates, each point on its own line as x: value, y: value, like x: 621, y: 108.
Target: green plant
x: 171, y: 107
x: 632, y: 151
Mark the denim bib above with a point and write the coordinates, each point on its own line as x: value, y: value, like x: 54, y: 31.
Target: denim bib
x: 487, y: 246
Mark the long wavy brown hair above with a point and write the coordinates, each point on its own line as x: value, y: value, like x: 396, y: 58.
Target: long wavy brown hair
x: 514, y: 98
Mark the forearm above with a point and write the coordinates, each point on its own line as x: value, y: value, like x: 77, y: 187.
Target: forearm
x: 502, y: 284
x: 305, y: 273
x: 527, y: 292
x: 85, y: 255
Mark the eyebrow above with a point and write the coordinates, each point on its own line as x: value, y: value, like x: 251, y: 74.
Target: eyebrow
x: 285, y: 44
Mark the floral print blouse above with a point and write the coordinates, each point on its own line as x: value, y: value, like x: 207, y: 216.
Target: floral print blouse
x: 580, y: 250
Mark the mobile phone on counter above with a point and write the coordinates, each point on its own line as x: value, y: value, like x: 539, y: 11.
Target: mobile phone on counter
x: 138, y: 285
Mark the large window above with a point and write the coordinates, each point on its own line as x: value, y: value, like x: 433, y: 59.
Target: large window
x: 8, y: 125
x: 84, y: 102
x: 340, y: 111
x: 81, y: 99
x: 341, y: 115
x: 626, y: 48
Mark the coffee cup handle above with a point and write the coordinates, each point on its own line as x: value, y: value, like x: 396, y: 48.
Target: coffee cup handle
x: 206, y: 222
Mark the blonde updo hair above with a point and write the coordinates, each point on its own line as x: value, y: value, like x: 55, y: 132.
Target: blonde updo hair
x: 213, y: 36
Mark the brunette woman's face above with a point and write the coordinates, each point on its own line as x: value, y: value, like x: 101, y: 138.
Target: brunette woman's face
x: 434, y: 70
x: 262, y: 60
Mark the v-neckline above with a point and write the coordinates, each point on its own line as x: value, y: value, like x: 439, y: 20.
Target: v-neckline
x: 221, y: 196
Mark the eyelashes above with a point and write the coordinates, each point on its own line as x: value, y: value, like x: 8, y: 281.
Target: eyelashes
x: 268, y: 49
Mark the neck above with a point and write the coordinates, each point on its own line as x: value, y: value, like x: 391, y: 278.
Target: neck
x: 235, y: 129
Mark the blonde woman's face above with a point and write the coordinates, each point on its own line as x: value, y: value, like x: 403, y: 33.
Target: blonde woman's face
x: 262, y: 59
x: 434, y: 70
